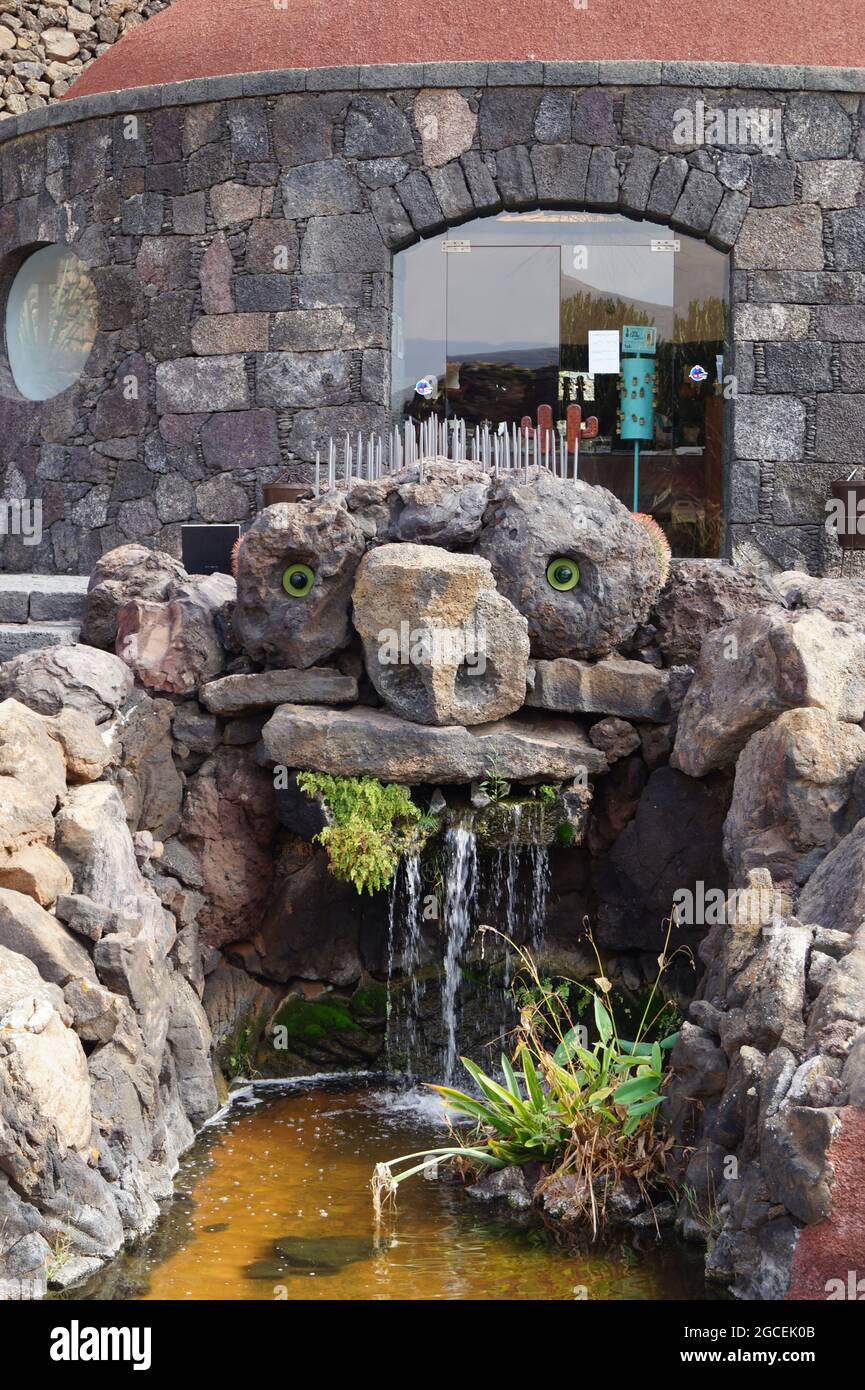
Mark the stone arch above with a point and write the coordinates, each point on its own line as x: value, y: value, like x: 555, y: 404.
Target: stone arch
x: 640, y: 183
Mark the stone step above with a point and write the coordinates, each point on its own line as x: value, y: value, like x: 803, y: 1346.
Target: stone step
x: 16, y: 638
x: 42, y: 598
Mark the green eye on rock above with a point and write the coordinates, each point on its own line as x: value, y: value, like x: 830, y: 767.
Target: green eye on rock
x: 563, y: 574
x: 297, y: 580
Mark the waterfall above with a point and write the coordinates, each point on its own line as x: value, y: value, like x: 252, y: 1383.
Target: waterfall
x: 436, y: 1009
x: 460, y: 895
x: 404, y: 940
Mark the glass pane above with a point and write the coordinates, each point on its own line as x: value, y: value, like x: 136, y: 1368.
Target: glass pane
x: 694, y: 516
x: 502, y: 332
x: 503, y: 328
x: 419, y: 303
x: 50, y: 322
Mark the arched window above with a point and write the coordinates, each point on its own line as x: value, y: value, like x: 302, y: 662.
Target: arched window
x: 50, y: 322
x: 507, y: 314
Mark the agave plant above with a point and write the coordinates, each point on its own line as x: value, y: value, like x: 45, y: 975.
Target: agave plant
x: 580, y: 1108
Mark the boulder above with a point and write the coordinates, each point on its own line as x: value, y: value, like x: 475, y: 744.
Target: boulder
x: 35, y: 871
x: 43, y: 1067
x: 85, y: 750
x: 766, y: 999
x: 631, y: 689
x: 441, y: 645
x: 794, y: 1148
x: 842, y: 998
x: 834, y: 896
x: 189, y: 1039
x: 27, y: 928
x: 361, y: 741
x: 754, y: 669
x: 528, y: 525
x: 841, y: 600
x: 90, y: 919
x: 229, y: 821
x: 699, y: 596
x: 147, y: 778
x: 181, y: 861
x: 232, y: 998
x: 33, y: 759
x: 318, y: 685
x: 443, y: 507
x: 281, y: 626
x: 120, y: 576
x: 93, y: 838
x: 20, y: 979
x: 615, y: 737
x: 673, y: 842
x: 80, y: 678
x: 24, y: 816
x: 794, y: 795
x: 195, y: 732
x: 97, y: 1014
x: 174, y: 645
x: 124, y: 965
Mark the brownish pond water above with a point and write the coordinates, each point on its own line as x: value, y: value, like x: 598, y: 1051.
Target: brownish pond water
x: 273, y: 1203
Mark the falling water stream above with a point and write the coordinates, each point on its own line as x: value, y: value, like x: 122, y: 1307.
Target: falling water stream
x: 507, y: 888
x: 461, y: 858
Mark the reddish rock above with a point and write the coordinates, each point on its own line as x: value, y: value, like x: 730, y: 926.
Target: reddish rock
x: 174, y: 646
x: 229, y: 819
x: 827, y: 1253
x: 217, y: 269
x: 127, y: 573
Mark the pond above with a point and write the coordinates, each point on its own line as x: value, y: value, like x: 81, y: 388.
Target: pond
x: 273, y: 1203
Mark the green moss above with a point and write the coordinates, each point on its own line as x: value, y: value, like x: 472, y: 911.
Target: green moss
x: 306, y: 1019
x: 369, y: 1001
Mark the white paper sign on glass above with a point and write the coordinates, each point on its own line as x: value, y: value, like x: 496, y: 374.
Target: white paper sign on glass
x: 603, y: 351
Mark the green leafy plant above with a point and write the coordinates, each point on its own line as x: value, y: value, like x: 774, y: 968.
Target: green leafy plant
x: 545, y: 792
x: 495, y: 785
x: 241, y: 1047
x: 580, y: 1108
x: 371, y: 825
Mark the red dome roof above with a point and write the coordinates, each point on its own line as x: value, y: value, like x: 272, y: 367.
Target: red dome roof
x: 210, y: 38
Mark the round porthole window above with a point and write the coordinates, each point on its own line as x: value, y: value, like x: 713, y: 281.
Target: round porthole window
x: 50, y: 322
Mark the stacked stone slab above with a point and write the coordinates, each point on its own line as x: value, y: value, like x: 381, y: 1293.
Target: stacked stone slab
x: 40, y: 610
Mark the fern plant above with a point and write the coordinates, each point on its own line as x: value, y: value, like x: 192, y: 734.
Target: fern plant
x: 371, y: 825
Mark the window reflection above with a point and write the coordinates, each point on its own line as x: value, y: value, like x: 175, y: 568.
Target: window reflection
x: 501, y: 316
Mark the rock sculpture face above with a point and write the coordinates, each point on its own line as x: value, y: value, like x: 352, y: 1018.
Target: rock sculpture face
x: 571, y: 558
x: 465, y: 572
x: 295, y: 571
x: 445, y: 506
x: 441, y: 645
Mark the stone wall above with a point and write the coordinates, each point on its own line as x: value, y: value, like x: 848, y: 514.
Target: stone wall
x: 43, y: 48
x: 240, y: 233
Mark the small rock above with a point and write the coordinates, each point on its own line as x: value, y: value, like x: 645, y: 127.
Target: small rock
x: 615, y: 737
x: 37, y: 872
